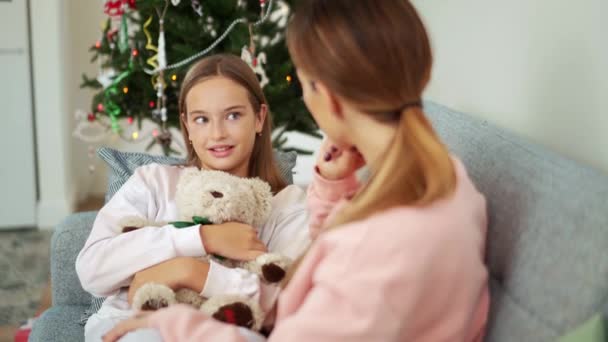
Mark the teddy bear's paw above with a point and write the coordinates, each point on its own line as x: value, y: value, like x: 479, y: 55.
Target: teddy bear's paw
x: 190, y: 297
x: 236, y: 313
x: 273, y: 273
x: 236, y: 310
x: 131, y: 223
x: 271, y: 267
x: 151, y: 297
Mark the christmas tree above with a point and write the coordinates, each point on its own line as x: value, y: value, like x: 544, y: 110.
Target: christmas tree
x: 147, y: 46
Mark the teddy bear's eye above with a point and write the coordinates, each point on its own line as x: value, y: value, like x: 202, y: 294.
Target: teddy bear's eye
x: 217, y: 194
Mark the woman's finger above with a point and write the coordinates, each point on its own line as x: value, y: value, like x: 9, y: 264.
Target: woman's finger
x: 125, y: 327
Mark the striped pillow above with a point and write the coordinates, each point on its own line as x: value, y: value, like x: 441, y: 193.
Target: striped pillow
x: 123, y: 164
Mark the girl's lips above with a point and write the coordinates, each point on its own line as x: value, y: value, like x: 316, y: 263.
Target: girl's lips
x: 221, y: 151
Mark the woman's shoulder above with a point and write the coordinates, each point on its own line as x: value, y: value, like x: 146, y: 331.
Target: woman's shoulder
x: 443, y: 229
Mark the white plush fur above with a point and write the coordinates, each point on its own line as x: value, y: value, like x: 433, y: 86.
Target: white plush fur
x: 244, y: 200
x: 190, y: 297
x: 132, y: 221
x: 211, y: 306
x: 255, y: 266
x: 153, y: 291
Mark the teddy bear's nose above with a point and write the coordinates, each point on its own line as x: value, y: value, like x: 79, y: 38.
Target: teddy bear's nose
x: 217, y: 194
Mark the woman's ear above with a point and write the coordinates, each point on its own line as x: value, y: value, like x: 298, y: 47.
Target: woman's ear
x: 261, y: 118
x: 332, y: 100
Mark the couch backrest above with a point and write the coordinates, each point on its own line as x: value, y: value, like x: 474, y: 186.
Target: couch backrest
x: 547, y: 245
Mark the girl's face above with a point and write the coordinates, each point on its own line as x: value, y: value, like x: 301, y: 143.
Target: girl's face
x: 222, y: 125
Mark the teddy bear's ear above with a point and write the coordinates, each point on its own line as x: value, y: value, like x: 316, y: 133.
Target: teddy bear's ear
x: 189, y: 176
x: 263, y: 196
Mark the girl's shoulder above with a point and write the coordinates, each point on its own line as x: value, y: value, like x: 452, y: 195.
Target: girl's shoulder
x: 290, y: 194
x: 291, y: 198
x: 156, y: 174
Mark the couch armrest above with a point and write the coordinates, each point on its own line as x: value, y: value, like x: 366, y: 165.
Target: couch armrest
x: 68, y: 239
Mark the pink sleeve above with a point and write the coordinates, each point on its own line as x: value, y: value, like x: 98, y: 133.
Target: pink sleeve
x: 183, y: 323
x: 323, y: 198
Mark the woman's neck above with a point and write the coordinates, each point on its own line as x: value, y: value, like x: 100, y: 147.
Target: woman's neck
x: 372, y: 137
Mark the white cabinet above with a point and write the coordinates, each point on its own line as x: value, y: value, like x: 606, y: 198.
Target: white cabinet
x: 17, y: 159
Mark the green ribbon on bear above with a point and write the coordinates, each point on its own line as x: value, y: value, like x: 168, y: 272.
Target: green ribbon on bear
x: 195, y: 220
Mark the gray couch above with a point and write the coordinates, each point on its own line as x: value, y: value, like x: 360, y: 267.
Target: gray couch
x: 547, y: 240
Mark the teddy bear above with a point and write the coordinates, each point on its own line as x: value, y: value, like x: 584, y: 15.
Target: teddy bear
x: 214, y: 197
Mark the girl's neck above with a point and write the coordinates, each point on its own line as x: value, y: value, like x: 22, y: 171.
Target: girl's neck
x: 242, y: 171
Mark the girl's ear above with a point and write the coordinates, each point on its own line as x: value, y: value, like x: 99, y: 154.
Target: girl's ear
x: 184, y: 120
x: 261, y: 118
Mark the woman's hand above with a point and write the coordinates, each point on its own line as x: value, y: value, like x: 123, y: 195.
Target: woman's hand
x: 336, y: 163
x: 181, y: 272
x: 139, y: 321
x: 232, y: 240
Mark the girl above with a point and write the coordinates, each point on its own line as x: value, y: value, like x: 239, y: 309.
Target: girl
x: 227, y: 125
x: 402, y: 260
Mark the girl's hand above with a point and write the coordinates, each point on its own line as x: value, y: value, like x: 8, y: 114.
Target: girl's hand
x: 181, y: 272
x: 336, y: 163
x: 232, y: 240
x: 139, y: 321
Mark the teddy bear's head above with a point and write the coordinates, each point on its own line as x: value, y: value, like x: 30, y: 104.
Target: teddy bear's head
x: 221, y: 197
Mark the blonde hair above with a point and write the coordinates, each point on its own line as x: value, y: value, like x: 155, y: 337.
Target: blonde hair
x: 377, y: 55
x: 262, y: 163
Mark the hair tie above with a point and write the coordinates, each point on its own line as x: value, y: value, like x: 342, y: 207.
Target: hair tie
x: 416, y: 103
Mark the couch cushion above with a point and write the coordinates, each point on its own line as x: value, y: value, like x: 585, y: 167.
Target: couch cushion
x: 67, y: 241
x: 548, y: 233
x: 59, y: 323
x: 122, y: 164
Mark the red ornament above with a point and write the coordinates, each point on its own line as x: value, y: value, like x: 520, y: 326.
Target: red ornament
x: 152, y: 104
x: 91, y: 117
x: 135, y: 53
x: 98, y: 44
x: 130, y: 120
x: 155, y: 133
x: 100, y: 107
x: 115, y: 8
x: 254, y: 62
x: 111, y: 34
x: 262, y: 3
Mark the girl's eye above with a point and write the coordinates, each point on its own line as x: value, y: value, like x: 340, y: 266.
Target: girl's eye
x: 234, y: 116
x: 200, y: 120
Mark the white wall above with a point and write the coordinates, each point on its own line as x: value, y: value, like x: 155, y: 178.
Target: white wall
x: 56, y: 185
x: 84, y: 20
x: 538, y: 68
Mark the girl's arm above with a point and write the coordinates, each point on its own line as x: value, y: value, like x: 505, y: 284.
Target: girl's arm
x: 285, y: 233
x: 110, y: 258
